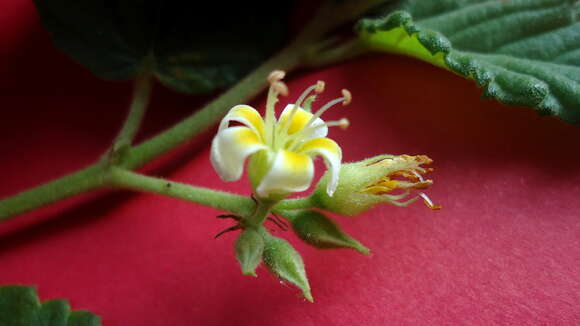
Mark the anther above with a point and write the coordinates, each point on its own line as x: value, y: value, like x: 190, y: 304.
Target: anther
x: 319, y: 87
x: 347, y: 97
x: 275, y: 76
x: 428, y: 202
x: 280, y: 88
x: 342, y: 123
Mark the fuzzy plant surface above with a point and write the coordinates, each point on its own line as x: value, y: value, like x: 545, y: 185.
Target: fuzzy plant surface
x: 277, y: 85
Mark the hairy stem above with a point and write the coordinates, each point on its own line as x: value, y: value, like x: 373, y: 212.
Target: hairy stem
x: 67, y: 186
x: 295, y: 203
x: 141, y: 95
x: 127, y: 179
x: 263, y: 209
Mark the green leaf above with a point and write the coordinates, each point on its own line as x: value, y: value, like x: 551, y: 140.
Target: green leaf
x: 194, y: 47
x: 19, y: 306
x: 521, y: 52
x: 54, y: 313
x: 318, y: 230
x: 286, y: 263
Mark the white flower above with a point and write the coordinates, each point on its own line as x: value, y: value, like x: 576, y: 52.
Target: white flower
x: 282, y: 150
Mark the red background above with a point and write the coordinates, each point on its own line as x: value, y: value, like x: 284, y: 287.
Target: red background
x: 503, y: 251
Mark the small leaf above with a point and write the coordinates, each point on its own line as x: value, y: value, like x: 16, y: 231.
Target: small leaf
x: 321, y: 232
x: 54, y: 313
x: 194, y: 47
x: 19, y: 306
x: 83, y: 318
x: 249, y: 249
x: 286, y: 263
x: 522, y: 52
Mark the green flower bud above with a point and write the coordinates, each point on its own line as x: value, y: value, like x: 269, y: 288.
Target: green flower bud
x: 249, y: 248
x: 366, y: 183
x: 286, y: 263
x: 321, y: 232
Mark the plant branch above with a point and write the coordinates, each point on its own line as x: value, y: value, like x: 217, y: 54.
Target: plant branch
x: 67, y: 186
x: 141, y: 96
x: 127, y: 179
x: 295, y: 203
x: 334, y: 54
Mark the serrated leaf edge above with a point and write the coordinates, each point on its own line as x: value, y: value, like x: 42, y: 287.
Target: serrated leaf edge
x: 445, y: 56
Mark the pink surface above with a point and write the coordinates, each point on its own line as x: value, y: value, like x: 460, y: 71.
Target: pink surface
x: 503, y: 251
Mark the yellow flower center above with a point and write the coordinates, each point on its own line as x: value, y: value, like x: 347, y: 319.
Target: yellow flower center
x: 291, y: 130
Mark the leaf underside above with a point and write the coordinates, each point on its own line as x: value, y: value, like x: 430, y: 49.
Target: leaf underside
x: 19, y: 306
x: 521, y: 52
x: 194, y: 47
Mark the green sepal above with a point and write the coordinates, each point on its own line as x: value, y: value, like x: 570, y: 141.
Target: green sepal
x: 318, y: 230
x: 19, y: 306
x: 249, y: 249
x: 286, y: 263
x: 348, y: 199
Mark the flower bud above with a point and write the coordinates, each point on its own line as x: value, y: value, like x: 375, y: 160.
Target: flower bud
x: 249, y: 248
x: 286, y: 263
x: 321, y: 232
x: 381, y: 179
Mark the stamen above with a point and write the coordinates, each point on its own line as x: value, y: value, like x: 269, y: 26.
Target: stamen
x: 403, y: 203
x: 428, y: 202
x: 347, y: 96
x: 276, y: 75
x: 280, y: 87
x: 326, y: 107
x: 308, y: 103
x: 342, y: 123
x: 419, y: 176
x: 317, y: 88
x: 308, y: 128
x: 277, y: 86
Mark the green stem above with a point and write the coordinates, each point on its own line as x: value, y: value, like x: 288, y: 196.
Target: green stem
x: 261, y: 213
x: 122, y: 178
x: 141, y: 95
x: 296, y: 203
x: 67, y: 186
x: 335, y: 54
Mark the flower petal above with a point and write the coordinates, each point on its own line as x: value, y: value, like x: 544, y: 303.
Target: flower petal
x: 246, y: 115
x: 300, y: 120
x: 230, y: 148
x: 290, y: 172
x: 332, y: 155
